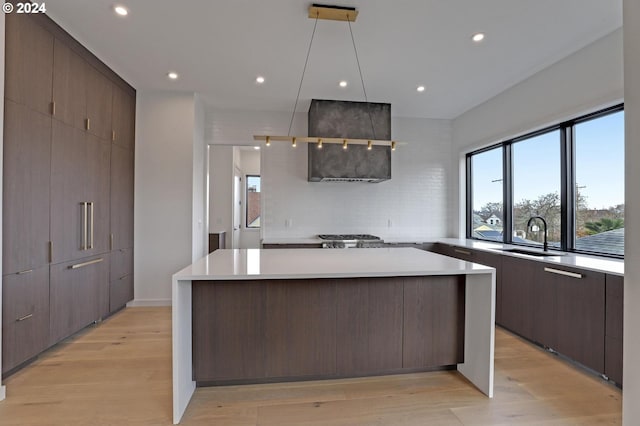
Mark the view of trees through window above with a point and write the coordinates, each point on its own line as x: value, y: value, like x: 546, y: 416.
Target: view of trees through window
x: 600, y: 184
x: 596, y: 218
x: 536, y: 188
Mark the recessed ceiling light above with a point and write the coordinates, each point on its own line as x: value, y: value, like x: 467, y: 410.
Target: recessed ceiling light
x: 257, y: 148
x: 121, y: 10
x: 420, y: 88
x: 478, y: 37
x: 343, y: 83
x: 172, y: 75
x: 259, y: 79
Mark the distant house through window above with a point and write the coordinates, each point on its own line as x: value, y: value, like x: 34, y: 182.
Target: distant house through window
x: 253, y: 201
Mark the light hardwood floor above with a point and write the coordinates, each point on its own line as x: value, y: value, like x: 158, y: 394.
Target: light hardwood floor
x: 119, y: 373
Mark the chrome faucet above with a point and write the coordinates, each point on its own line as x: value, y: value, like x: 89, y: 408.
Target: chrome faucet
x: 545, y: 244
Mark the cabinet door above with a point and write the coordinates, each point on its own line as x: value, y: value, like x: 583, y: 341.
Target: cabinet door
x: 545, y: 308
x: 229, y: 330
x: 121, y: 197
x: 69, y: 213
x: 98, y: 177
x: 123, y: 116
x: 28, y: 63
x: 580, y: 311
x: 301, y: 328
x: 69, y: 81
x: 77, y: 292
x: 99, y: 103
x: 433, y: 321
x: 121, y: 287
x: 27, y: 168
x: 25, y: 316
x: 369, y: 337
x: 518, y: 282
x: 614, y: 327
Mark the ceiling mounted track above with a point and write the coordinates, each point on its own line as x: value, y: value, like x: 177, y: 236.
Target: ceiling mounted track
x: 333, y: 13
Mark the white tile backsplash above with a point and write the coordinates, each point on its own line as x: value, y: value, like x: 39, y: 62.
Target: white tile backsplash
x: 415, y: 201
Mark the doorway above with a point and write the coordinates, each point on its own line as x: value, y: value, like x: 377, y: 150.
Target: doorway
x: 235, y: 205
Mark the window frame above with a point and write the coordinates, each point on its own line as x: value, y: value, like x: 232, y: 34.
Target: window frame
x: 246, y: 202
x: 567, y: 184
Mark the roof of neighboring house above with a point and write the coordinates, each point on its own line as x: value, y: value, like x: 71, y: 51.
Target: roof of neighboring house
x: 604, y: 242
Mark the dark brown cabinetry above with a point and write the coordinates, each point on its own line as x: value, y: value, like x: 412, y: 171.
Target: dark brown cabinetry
x: 614, y: 313
x: 580, y: 304
x: 99, y: 104
x: 235, y: 348
x: 270, y: 330
x: 28, y: 63
x: 122, y: 162
x: 517, y: 295
x: 123, y: 118
x: 438, y: 302
x: 60, y: 104
x: 27, y: 159
x: 25, y: 321
x: 121, y: 286
x: 369, y: 333
x: 69, y: 96
x: 80, y: 198
x: 77, y: 293
x: 300, y: 321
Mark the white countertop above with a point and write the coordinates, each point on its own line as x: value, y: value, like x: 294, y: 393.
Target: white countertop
x: 582, y: 261
x: 243, y: 264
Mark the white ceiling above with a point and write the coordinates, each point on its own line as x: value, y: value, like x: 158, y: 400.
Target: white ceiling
x: 220, y: 46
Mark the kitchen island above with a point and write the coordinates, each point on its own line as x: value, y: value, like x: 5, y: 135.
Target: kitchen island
x: 260, y: 315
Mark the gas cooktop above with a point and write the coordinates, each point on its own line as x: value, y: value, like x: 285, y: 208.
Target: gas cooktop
x: 348, y: 237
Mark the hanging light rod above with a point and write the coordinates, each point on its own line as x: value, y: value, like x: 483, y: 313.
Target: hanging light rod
x: 308, y: 139
x: 333, y: 13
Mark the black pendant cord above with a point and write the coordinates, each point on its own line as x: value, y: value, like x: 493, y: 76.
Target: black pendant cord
x: 373, y: 130
x: 303, y: 72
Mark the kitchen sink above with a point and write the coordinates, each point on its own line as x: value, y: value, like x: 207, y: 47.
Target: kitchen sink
x: 538, y: 253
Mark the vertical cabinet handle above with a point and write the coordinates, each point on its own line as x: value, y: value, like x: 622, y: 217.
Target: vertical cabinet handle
x: 84, y: 224
x: 110, y: 241
x: 53, y: 108
x: 88, y: 124
x: 91, y: 226
x: 113, y: 135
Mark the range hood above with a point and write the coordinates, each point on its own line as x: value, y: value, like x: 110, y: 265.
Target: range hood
x: 352, y: 120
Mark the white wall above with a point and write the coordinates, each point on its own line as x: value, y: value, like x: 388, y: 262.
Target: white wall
x: 421, y: 179
x: 631, y: 393
x: 588, y: 80
x: 221, y: 190
x: 2, y: 388
x: 169, y: 187
x: 200, y: 241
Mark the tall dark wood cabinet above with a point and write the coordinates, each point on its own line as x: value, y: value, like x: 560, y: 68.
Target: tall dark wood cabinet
x: 614, y: 313
x: 69, y: 129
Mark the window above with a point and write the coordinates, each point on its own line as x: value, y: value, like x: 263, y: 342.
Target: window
x: 572, y: 175
x: 599, y: 195
x: 536, y: 188
x: 486, y: 195
x: 253, y: 201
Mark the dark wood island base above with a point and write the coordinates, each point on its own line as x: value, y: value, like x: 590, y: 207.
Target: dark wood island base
x: 257, y: 331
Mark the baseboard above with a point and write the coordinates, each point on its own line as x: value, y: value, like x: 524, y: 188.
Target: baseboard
x: 148, y: 302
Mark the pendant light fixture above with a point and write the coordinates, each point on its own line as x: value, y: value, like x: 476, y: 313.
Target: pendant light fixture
x: 333, y: 13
